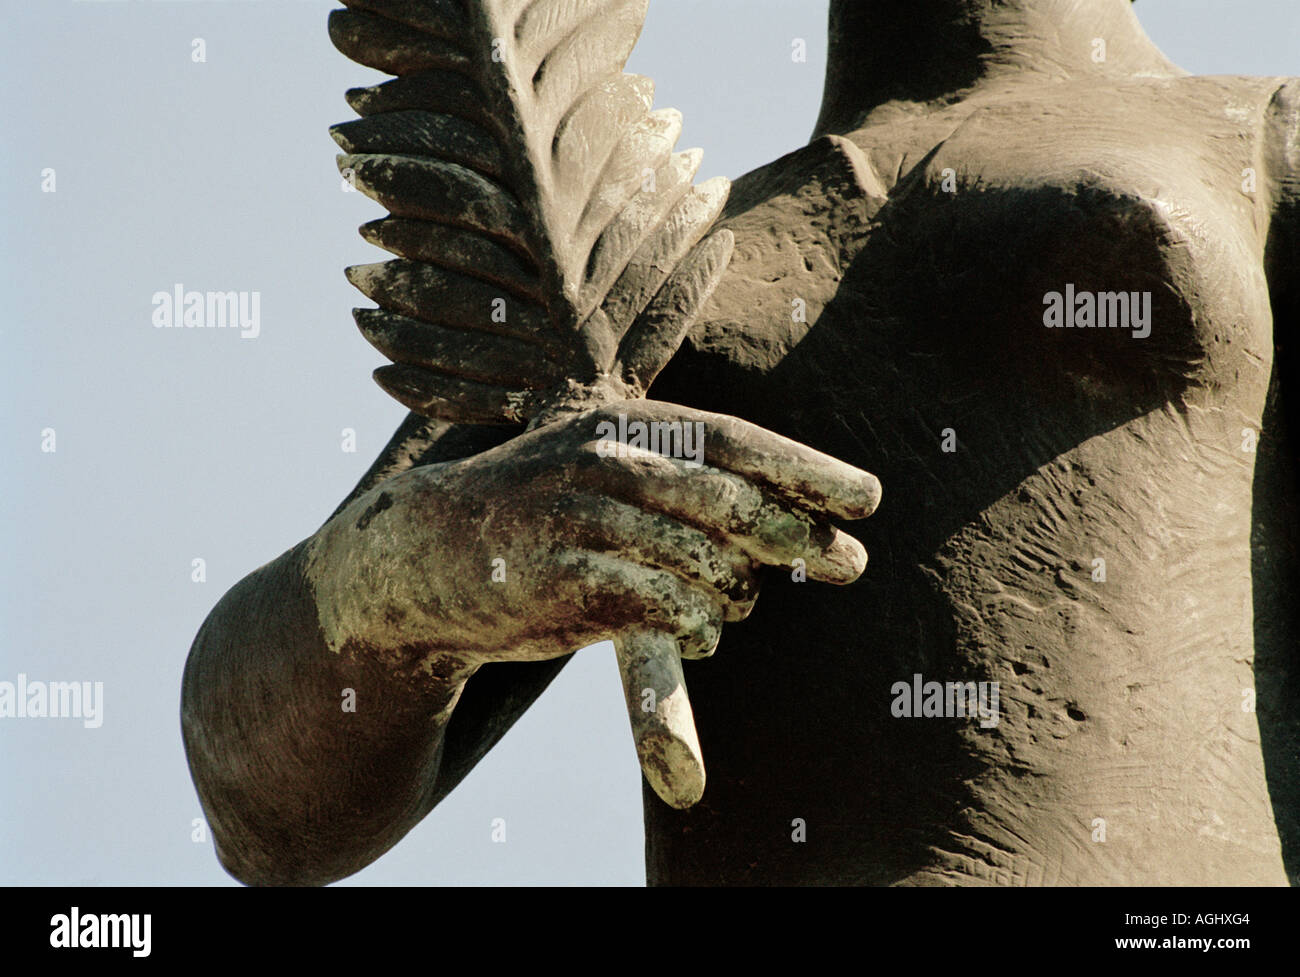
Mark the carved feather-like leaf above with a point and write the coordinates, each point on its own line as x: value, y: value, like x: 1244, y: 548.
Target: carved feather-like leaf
x: 548, y: 237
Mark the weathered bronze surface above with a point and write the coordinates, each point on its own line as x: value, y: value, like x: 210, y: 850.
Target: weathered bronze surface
x: 1030, y: 274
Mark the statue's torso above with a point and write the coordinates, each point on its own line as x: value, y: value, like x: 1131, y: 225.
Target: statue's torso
x: 920, y: 254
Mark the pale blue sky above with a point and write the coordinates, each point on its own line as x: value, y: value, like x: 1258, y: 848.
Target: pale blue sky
x: 173, y: 445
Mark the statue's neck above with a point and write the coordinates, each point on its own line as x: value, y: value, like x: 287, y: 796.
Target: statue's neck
x: 927, y: 51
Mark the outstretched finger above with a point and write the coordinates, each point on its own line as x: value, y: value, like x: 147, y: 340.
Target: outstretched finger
x: 600, y: 523
x: 767, y: 529
x: 800, y: 474
x: 624, y: 591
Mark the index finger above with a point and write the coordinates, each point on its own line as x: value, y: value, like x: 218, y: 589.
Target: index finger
x: 800, y: 474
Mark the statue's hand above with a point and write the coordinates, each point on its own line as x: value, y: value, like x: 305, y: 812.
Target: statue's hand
x: 557, y: 539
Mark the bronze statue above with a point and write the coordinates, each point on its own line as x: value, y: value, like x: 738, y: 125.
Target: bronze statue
x: 1028, y: 273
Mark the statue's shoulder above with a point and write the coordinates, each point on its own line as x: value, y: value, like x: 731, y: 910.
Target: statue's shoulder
x: 1266, y: 110
x: 830, y: 171
x: 1282, y: 131
x: 1281, y: 155
x: 798, y: 222
x: 1250, y: 100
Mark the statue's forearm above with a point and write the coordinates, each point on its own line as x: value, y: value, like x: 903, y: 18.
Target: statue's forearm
x: 310, y: 762
x: 298, y: 789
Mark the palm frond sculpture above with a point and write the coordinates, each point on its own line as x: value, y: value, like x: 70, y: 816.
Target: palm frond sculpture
x: 551, y: 249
